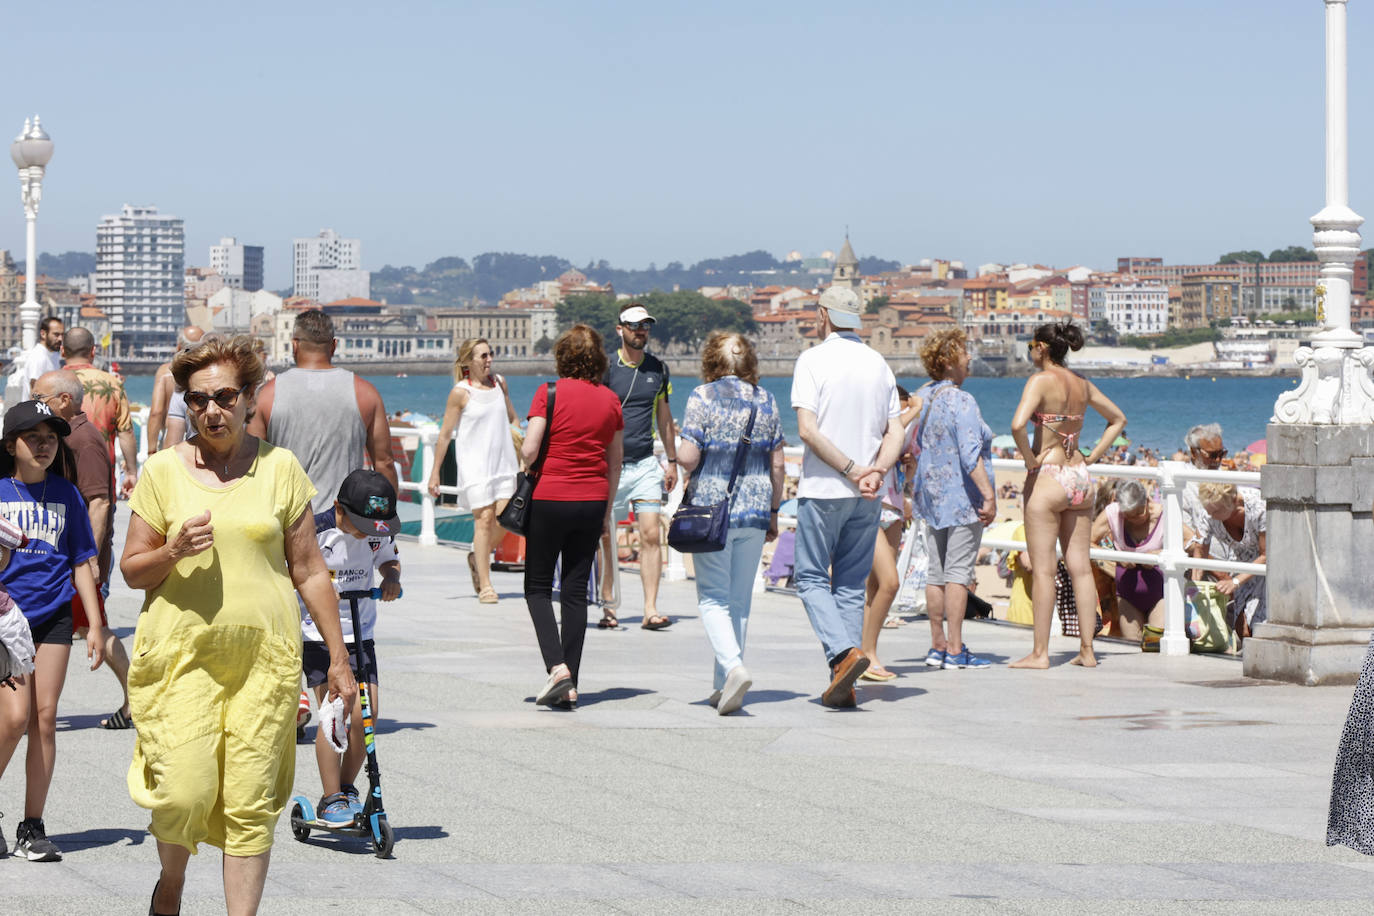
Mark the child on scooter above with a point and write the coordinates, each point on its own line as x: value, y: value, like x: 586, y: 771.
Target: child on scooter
x: 356, y: 537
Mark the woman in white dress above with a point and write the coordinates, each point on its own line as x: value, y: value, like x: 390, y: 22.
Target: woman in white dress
x: 487, y: 463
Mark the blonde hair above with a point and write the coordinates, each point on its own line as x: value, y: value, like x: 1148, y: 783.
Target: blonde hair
x: 465, y: 351
x: 727, y: 353
x: 1216, y: 494
x: 941, y: 350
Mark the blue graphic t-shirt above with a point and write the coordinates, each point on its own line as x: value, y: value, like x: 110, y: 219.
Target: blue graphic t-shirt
x: 39, y: 577
x: 715, y: 421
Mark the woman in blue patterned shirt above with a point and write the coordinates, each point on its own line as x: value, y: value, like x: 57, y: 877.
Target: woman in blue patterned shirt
x: 954, y: 493
x: 713, y: 427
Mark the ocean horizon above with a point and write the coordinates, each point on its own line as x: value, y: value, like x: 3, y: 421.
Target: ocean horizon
x: 1159, y: 411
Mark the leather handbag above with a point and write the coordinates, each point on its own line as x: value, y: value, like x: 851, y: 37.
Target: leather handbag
x: 515, y: 518
x: 703, y: 529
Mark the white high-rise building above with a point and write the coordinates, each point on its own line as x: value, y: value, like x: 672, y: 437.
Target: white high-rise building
x: 140, y: 279
x: 328, y: 268
x: 239, y: 265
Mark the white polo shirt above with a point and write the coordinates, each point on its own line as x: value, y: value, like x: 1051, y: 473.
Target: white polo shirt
x: 853, y: 394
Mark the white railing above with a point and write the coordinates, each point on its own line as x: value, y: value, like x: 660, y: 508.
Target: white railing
x: 1173, y: 560
x: 1172, y: 477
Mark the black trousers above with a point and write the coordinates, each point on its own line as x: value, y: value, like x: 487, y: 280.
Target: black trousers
x: 566, y: 531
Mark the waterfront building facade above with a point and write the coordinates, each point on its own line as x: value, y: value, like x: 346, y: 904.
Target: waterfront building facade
x: 240, y: 266
x: 140, y: 279
x: 1131, y: 306
x: 1205, y: 298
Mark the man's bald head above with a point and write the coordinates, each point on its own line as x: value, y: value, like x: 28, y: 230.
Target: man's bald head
x: 50, y: 385
x: 78, y: 342
x: 189, y: 337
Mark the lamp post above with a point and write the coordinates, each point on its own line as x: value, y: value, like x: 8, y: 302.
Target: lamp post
x: 31, y: 151
x: 1336, y: 386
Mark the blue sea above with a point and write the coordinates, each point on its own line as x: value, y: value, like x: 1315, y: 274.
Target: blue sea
x: 1158, y: 410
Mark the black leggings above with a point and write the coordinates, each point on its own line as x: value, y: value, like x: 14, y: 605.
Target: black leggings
x: 569, y: 530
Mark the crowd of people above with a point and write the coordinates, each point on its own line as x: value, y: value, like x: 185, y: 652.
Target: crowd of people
x: 258, y: 490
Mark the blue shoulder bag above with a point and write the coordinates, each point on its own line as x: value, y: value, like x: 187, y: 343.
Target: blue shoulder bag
x: 703, y: 529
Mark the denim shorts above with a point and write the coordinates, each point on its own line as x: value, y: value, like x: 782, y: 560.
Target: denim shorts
x: 641, y: 487
x: 950, y: 553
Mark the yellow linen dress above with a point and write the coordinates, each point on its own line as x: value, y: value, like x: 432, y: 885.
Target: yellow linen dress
x: 217, y: 657
x: 1019, y: 610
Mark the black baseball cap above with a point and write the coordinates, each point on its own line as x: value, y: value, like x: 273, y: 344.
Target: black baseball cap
x: 369, y: 501
x: 27, y: 414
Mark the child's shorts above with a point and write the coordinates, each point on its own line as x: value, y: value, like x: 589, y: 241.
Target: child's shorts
x: 315, y: 661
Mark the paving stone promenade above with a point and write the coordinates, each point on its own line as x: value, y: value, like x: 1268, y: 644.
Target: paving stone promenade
x: 1171, y: 784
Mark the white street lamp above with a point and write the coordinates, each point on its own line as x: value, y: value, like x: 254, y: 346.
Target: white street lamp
x: 31, y: 151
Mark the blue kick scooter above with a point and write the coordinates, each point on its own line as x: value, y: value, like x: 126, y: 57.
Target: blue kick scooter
x: 372, y: 821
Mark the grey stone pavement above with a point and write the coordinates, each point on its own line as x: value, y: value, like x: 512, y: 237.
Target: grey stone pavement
x: 1168, y: 783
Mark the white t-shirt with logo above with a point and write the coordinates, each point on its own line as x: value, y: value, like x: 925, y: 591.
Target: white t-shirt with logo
x: 350, y: 562
x: 853, y: 394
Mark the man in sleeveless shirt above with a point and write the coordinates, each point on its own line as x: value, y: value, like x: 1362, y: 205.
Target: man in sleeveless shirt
x: 641, y: 384
x: 330, y: 418
x: 167, y: 407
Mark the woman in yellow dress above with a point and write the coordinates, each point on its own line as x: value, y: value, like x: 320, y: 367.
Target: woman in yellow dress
x: 221, y: 539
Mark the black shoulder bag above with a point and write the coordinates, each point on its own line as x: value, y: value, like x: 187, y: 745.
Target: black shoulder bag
x: 515, y: 518
x: 703, y: 529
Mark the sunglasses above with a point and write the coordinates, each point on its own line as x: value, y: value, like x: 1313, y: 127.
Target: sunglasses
x: 637, y: 325
x: 226, y: 398
x: 1217, y: 455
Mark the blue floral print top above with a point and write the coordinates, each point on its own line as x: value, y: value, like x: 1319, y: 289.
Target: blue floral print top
x: 953, y: 439
x: 715, y: 421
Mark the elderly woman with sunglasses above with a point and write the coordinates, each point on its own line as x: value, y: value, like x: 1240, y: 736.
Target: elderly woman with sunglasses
x: 222, y: 539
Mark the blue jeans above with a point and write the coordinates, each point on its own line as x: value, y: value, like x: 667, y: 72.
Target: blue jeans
x: 725, y: 589
x: 835, y: 539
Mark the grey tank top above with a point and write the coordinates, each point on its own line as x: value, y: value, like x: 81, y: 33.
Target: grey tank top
x: 315, y: 416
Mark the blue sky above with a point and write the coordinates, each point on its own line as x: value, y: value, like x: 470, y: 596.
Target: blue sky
x: 1058, y: 132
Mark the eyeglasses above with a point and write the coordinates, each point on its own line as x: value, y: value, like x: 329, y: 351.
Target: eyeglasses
x: 226, y: 398
x: 636, y: 325
x: 46, y: 397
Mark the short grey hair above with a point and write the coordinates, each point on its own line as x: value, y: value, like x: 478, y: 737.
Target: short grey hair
x: 1131, y: 495
x: 1198, y: 433
x: 65, y: 381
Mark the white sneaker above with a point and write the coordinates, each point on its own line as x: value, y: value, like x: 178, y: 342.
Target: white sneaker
x: 732, y: 694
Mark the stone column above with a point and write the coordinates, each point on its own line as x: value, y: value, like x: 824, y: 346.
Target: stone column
x: 1318, y: 483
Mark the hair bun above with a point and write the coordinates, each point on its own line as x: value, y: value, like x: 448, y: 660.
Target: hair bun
x: 1072, y: 336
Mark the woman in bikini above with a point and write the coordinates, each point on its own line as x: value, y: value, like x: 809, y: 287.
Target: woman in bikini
x: 1059, y: 489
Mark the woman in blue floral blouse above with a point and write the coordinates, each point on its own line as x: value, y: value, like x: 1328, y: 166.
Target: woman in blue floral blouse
x: 954, y: 493
x: 714, y: 425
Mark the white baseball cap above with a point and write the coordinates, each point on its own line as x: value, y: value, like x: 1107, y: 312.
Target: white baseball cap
x: 843, y: 306
x: 635, y: 313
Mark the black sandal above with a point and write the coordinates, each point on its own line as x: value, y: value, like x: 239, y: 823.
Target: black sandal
x: 117, y: 721
x: 608, y: 622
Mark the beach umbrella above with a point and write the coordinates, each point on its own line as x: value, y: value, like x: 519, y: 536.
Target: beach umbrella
x: 1003, y: 441
x: 1121, y: 440
x: 1258, y: 447
x: 1258, y: 460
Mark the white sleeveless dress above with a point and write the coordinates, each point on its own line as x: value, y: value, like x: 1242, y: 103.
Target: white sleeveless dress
x: 485, y: 452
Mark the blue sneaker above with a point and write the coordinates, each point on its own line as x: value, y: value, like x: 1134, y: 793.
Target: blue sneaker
x: 965, y: 659
x: 935, y: 659
x: 335, y: 809
x: 350, y: 792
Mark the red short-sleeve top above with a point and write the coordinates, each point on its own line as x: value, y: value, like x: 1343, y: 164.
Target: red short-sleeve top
x: 586, y: 417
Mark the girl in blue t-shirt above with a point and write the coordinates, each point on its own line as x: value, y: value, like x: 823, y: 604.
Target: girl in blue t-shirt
x: 38, y: 495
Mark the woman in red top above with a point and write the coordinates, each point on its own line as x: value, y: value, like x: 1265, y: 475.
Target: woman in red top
x: 571, y: 507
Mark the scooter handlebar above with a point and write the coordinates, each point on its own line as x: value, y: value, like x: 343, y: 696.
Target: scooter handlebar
x: 374, y: 593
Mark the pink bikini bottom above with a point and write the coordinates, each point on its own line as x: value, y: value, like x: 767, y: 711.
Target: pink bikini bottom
x: 1074, y: 478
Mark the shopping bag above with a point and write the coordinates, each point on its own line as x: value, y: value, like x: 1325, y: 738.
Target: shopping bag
x: 1205, y: 612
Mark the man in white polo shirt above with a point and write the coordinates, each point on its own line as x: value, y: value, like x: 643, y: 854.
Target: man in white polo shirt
x: 849, y: 419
